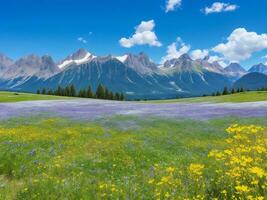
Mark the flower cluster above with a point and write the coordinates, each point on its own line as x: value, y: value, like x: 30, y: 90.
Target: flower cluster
x: 242, y: 166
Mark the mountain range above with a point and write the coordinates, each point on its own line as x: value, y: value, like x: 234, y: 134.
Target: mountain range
x: 135, y: 75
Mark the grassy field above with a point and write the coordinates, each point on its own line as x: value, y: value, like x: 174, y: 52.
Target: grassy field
x: 123, y: 158
x: 235, y: 98
x: 16, y: 97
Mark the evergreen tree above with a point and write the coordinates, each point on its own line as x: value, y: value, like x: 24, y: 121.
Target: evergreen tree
x: 233, y: 91
x: 72, y: 91
x: 82, y: 93
x: 67, y: 91
x: 59, y: 91
x: 111, y: 96
x: 43, y: 91
x: 50, y: 92
x: 225, y: 91
x: 100, y: 92
x: 89, y: 92
x: 241, y: 89
x: 38, y: 92
x: 106, y: 93
x: 238, y: 90
x: 117, y: 96
x: 213, y: 94
x: 218, y: 93
x: 122, y: 97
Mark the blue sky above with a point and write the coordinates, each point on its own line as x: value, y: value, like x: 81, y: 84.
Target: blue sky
x: 54, y: 26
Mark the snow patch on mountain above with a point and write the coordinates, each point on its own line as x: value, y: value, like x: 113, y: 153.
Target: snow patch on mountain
x: 122, y: 58
x: 78, y: 58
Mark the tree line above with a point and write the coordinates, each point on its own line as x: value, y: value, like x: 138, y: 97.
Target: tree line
x: 102, y: 92
x: 227, y: 91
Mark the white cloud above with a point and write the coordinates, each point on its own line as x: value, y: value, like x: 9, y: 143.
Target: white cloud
x: 218, y: 7
x: 265, y: 56
x: 172, y: 5
x: 218, y: 59
x: 241, y: 44
x: 81, y: 39
x: 144, y: 35
x: 199, y: 54
x: 173, y: 52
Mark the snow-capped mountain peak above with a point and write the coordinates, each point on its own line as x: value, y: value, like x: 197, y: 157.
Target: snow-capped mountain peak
x: 122, y: 58
x: 80, y: 57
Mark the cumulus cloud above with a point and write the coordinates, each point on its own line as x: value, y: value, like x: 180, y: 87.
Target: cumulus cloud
x: 175, y: 50
x: 199, y: 54
x: 171, y: 5
x: 241, y: 44
x: 218, y: 7
x: 81, y: 39
x: 144, y: 35
x: 217, y: 59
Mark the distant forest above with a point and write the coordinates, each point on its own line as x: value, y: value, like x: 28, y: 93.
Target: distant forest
x: 102, y: 92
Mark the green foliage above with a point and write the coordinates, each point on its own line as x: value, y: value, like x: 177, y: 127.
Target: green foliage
x: 225, y: 91
x: 89, y: 92
x: 120, y: 158
x: 102, y: 92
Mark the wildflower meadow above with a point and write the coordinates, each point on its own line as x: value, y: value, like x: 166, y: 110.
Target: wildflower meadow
x: 128, y: 158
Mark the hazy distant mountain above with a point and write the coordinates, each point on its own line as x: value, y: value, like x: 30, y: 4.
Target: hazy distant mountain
x: 141, y: 63
x: 235, y: 71
x: 5, y: 62
x: 182, y: 64
x: 191, y: 77
x: 32, y: 65
x: 260, y: 68
x: 213, y: 67
x: 252, y: 81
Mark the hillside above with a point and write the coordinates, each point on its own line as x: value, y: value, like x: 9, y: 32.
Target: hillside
x: 252, y: 81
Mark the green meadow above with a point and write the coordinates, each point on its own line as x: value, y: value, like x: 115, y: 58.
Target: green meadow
x: 231, y: 98
x: 111, y: 158
x: 17, y: 97
x: 235, y: 98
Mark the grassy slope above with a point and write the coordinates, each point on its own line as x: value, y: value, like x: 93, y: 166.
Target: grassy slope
x: 16, y: 97
x: 55, y: 158
x: 235, y: 98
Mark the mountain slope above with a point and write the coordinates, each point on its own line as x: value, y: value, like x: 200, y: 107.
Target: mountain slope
x: 260, y: 68
x: 108, y: 71
x: 135, y: 75
x: 252, y: 81
x: 235, y: 71
x: 5, y: 63
x: 141, y: 63
x: 192, y: 78
x: 32, y: 65
x: 79, y: 57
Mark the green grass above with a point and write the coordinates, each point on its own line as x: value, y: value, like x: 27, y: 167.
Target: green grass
x: 113, y: 158
x: 234, y: 98
x: 17, y: 97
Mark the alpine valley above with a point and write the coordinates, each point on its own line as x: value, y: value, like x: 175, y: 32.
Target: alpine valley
x: 137, y: 76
